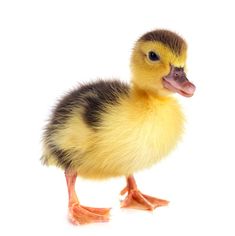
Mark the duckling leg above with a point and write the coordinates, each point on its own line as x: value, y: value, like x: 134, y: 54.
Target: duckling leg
x: 79, y: 214
x: 135, y: 199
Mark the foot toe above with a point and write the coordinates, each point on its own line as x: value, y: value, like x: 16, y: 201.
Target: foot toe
x: 157, y: 202
x: 135, y: 199
x: 99, y: 211
x: 84, y: 215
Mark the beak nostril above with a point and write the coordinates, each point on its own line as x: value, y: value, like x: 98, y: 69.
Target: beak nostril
x: 176, y: 76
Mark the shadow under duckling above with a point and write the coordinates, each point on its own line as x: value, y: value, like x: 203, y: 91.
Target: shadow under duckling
x: 109, y: 128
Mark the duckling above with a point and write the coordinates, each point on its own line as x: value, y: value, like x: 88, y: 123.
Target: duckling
x: 109, y: 128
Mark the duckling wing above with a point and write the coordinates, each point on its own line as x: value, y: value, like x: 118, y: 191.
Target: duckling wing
x: 95, y: 97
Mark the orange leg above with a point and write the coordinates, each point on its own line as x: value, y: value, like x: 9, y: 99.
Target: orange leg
x: 79, y: 214
x: 136, y: 199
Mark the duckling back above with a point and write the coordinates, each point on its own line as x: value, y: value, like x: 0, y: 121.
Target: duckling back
x: 75, y: 121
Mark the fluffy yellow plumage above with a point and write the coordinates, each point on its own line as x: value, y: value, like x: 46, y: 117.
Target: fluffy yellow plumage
x: 135, y: 134
x: 108, y: 129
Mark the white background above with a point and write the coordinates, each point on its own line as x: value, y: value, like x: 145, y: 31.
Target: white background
x: 47, y: 47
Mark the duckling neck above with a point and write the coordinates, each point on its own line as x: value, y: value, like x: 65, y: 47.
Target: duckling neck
x: 139, y: 94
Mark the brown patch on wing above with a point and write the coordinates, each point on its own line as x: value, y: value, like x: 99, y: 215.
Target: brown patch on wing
x: 170, y: 39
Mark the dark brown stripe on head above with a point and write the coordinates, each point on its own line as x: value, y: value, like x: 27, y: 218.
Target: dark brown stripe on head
x: 170, y: 39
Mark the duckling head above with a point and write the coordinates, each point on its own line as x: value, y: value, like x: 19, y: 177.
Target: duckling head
x: 158, y: 64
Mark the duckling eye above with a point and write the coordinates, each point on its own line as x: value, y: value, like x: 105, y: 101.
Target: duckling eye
x: 153, y: 56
